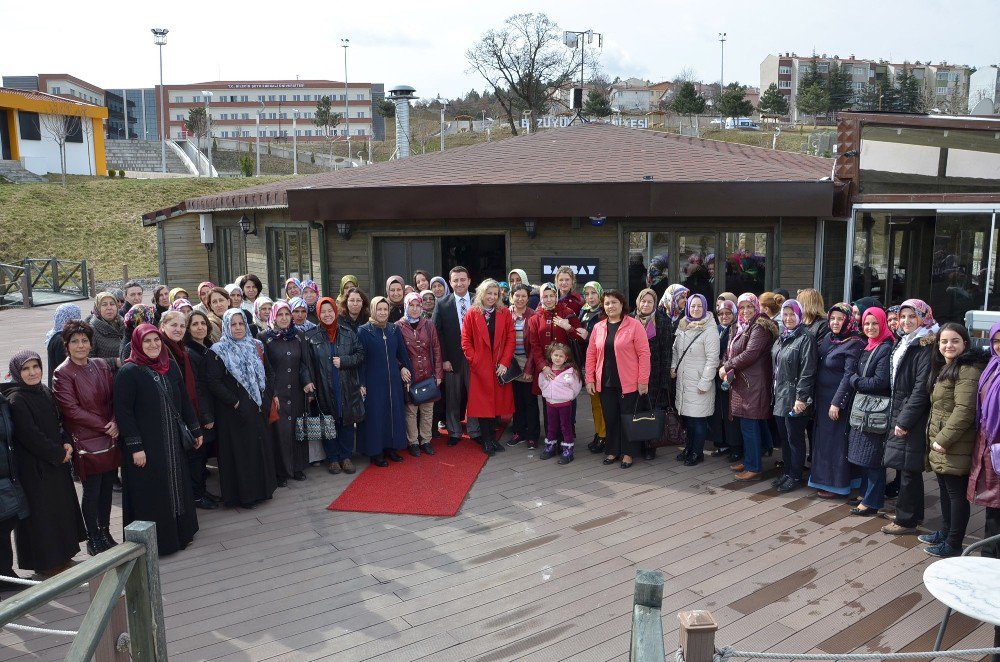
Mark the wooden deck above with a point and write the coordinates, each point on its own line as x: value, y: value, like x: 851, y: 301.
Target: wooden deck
x: 538, y: 565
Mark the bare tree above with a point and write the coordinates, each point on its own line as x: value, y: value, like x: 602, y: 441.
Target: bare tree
x: 62, y: 129
x: 525, y: 62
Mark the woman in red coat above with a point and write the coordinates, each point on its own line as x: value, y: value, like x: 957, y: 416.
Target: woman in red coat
x: 552, y: 322
x: 488, y: 344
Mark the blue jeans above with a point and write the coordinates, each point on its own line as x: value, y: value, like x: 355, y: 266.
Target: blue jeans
x: 792, y: 430
x: 697, y: 430
x: 873, y: 487
x: 753, y: 432
x: 341, y: 448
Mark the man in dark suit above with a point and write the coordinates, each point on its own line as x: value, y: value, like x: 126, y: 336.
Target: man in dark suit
x: 448, y: 318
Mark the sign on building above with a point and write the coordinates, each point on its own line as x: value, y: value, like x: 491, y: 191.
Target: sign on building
x: 585, y: 268
x: 560, y: 121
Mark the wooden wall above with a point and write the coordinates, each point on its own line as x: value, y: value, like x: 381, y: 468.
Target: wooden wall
x: 184, y: 260
x: 796, y: 252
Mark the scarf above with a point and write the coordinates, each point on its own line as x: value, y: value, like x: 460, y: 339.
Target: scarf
x: 657, y: 270
x: 393, y: 279
x: 889, y: 311
x: 704, y: 309
x: 901, y: 347
x: 600, y: 297
x: 180, y: 354
x: 161, y: 364
x: 850, y: 327
x: 742, y: 323
x: 793, y: 306
x: 988, y: 410
x: 522, y: 273
x: 331, y: 330
x: 648, y: 321
x: 297, y: 302
x: 201, y: 286
x: 922, y: 310
x: 258, y: 320
x: 670, y: 301
x: 139, y: 314
x: 371, y: 315
x: 438, y: 279
x: 412, y: 296
x: 548, y: 286
x: 18, y: 361
x: 308, y: 284
x: 348, y: 278
x: 864, y: 303
x: 241, y: 357
x: 288, y: 333
x: 884, y: 332
x: 174, y: 294
x: 728, y: 296
x: 66, y: 312
x: 180, y: 303
x: 293, y: 281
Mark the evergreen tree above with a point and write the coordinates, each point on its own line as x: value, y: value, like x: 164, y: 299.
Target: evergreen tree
x: 688, y: 101
x: 839, y: 88
x: 596, y: 105
x: 386, y: 108
x: 909, y: 95
x: 809, y: 75
x: 813, y: 100
x: 733, y: 102
x: 773, y: 102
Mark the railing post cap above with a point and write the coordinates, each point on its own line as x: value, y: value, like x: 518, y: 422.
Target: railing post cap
x: 697, y: 619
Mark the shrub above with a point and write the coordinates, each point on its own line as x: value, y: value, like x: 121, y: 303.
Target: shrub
x: 246, y: 165
x: 121, y: 173
x: 112, y: 173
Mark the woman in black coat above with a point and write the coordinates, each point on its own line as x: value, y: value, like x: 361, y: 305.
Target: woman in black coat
x: 150, y: 408
x: 906, y: 445
x: 51, y: 534
x: 13, y: 503
x: 288, y: 357
x: 237, y: 378
x: 865, y: 448
x: 660, y: 333
x: 725, y: 429
x: 336, y: 354
x: 197, y: 343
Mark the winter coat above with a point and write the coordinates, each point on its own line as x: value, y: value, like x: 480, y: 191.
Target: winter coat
x: 542, y: 332
x: 910, y: 407
x: 631, y: 355
x: 952, y: 423
x: 661, y: 350
x: 12, y: 498
x: 794, y: 358
x: 748, y: 360
x: 865, y: 449
x: 819, y: 329
x: 487, y: 398
x: 562, y: 388
x: 347, y: 347
x: 696, y: 360
x: 108, y: 336
x: 86, y: 400
x: 984, y: 482
x: 529, y: 356
x: 198, y: 355
x: 424, y: 349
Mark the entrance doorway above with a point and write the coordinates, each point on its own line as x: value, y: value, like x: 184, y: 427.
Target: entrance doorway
x: 485, y: 256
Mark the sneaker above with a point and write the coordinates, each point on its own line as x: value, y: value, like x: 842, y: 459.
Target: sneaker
x: 514, y: 440
x: 531, y: 444
x: 788, y: 485
x: 935, y: 538
x: 898, y: 530
x: 942, y: 549
x: 566, y: 457
x: 550, y: 450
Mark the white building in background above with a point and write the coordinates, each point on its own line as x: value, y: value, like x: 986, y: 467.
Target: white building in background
x: 633, y: 95
x: 984, y: 91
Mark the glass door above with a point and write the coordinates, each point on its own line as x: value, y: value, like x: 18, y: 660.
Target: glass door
x: 695, y: 250
x: 960, y: 268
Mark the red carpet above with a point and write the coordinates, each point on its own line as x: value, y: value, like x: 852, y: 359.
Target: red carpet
x: 426, y: 485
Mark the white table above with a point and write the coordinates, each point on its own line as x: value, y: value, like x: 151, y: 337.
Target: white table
x: 967, y: 584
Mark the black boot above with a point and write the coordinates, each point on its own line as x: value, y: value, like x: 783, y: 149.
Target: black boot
x: 95, y: 544
x: 105, y: 533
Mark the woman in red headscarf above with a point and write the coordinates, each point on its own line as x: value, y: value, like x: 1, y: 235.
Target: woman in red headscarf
x: 151, y: 406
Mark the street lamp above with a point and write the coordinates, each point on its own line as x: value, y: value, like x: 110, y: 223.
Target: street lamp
x: 295, y: 145
x: 257, y: 148
x: 208, y: 127
x: 347, y: 103
x: 444, y: 104
x: 722, y: 63
x: 160, y: 39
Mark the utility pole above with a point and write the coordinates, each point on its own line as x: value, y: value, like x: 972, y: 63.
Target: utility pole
x: 208, y: 126
x: 444, y: 104
x: 257, y: 161
x: 722, y: 64
x: 160, y: 39
x: 295, y: 143
x: 347, y: 101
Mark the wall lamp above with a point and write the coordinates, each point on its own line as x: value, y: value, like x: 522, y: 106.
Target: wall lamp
x: 248, y: 225
x: 531, y: 227
x: 344, y: 230
x: 598, y: 221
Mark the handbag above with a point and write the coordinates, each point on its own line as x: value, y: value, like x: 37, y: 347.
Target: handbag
x: 521, y: 362
x: 674, y: 430
x: 645, y: 424
x: 187, y: 439
x: 426, y: 390
x: 315, y: 428
x: 272, y: 414
x: 870, y: 413
x: 100, y: 454
x: 513, y: 372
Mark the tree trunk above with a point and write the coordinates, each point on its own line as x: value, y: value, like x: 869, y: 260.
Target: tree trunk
x: 62, y: 162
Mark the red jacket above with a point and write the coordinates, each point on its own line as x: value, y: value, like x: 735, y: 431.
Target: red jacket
x: 424, y: 349
x: 631, y: 354
x: 748, y: 358
x: 543, y: 332
x: 984, y: 484
x: 86, y: 401
x: 487, y: 398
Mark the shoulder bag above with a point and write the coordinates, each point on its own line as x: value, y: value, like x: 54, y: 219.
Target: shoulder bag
x: 426, y: 390
x: 187, y: 439
x: 645, y: 424
x: 870, y: 413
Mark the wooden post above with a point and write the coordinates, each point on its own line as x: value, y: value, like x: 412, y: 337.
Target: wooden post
x: 54, y: 271
x: 107, y: 646
x: 143, y: 598
x: 85, y: 277
x: 25, y: 288
x: 697, y: 635
x: 124, y: 274
x: 92, y: 279
x: 647, y: 628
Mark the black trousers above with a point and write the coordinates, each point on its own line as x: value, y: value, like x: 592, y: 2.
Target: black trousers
x: 487, y: 429
x: 792, y: 432
x: 7, y: 527
x: 96, y: 502
x: 525, y: 421
x: 725, y: 432
x: 993, y: 551
x: 910, y: 502
x: 954, y: 507
x: 615, y: 403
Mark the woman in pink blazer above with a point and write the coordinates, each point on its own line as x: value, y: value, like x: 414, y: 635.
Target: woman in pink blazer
x: 618, y: 369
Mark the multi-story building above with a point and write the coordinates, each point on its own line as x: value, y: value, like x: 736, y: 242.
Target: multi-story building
x: 633, y: 96
x: 984, y: 91
x: 234, y: 107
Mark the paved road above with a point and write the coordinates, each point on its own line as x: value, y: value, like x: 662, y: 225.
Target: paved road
x: 25, y: 329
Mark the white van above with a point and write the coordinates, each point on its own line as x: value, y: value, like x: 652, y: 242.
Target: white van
x: 742, y: 123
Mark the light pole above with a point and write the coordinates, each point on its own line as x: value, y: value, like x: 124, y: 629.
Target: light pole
x: 257, y: 161
x: 160, y: 39
x: 208, y: 127
x: 347, y: 102
x: 722, y: 60
x: 444, y: 104
x: 295, y: 143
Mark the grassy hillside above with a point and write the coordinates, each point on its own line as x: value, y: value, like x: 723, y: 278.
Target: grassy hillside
x: 95, y: 218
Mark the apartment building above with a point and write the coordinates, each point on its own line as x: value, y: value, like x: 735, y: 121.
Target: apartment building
x: 633, y: 95
x: 984, y: 91
x: 234, y: 106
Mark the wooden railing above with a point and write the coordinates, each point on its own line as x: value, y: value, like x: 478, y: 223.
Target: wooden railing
x: 10, y: 279
x: 132, y: 565
x: 647, y: 628
x: 43, y: 275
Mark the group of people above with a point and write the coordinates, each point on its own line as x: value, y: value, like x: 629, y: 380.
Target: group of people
x: 144, y: 394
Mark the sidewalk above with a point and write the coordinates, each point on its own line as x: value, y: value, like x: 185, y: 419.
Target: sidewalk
x: 25, y: 328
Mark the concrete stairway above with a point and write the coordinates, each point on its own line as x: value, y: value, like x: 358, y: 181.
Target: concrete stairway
x: 14, y: 172
x: 141, y: 156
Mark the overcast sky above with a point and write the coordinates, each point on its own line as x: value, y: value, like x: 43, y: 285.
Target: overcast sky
x: 423, y: 43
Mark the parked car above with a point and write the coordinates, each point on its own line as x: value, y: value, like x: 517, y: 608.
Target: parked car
x: 742, y: 123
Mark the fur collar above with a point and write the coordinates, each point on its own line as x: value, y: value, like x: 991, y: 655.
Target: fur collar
x: 766, y: 322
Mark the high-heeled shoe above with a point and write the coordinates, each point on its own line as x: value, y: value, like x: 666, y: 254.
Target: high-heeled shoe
x: 609, y: 460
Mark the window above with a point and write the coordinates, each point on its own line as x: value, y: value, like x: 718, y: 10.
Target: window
x: 942, y: 90
x: 282, y: 97
x: 361, y: 114
x: 307, y: 97
x: 196, y: 99
x: 282, y: 116
x: 289, y: 251
x: 270, y: 97
x: 230, y: 253
x: 272, y: 116
x: 822, y: 67
x: 342, y: 97
x: 296, y: 97
x: 784, y: 84
x: 361, y: 97
x: 245, y: 98
x: 224, y: 116
x: 953, y: 77
x: 361, y: 132
x: 273, y: 134
x: 260, y: 97
x: 858, y: 86
x: 246, y: 134
x: 309, y: 132
x: 343, y: 132
x: 245, y: 116
x: 55, y: 90
x: 72, y: 92
x: 942, y: 75
x: 225, y: 134
x: 29, y: 125
x: 784, y: 70
x: 180, y: 118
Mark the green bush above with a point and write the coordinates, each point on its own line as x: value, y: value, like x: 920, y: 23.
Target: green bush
x: 246, y: 165
x: 112, y: 173
x: 121, y: 173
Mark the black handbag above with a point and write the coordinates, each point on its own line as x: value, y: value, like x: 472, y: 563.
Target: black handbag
x: 870, y: 413
x: 645, y: 424
x: 187, y: 439
x: 513, y: 372
x: 426, y: 390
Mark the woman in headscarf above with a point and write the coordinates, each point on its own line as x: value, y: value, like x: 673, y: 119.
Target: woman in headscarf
x: 428, y: 302
x: 182, y: 305
x: 136, y: 315
x: 346, y: 283
x: 151, y: 406
x: 177, y: 293
x: 237, y: 378
x: 50, y: 536
x: 725, y: 429
x: 861, y: 305
x: 55, y: 349
x: 865, y: 447
x: 161, y: 299
x: 906, y: 446
x: 336, y: 355
x: 747, y: 369
x: 488, y: 345
x: 203, y: 290
x: 353, y: 311
x: 261, y: 315
x: 892, y: 318
x: 421, y: 341
x: 592, y: 313
x: 252, y: 288
x: 439, y: 286
x: 673, y: 303
x: 218, y: 303
x: 288, y: 357
x: 839, y: 351
x: 656, y: 275
x: 236, y: 301
x: 395, y: 290
x: 293, y: 288
x: 197, y: 344
x: 525, y: 424
x: 310, y: 294
x: 383, y: 374
x: 108, y: 328
x: 694, y: 364
x: 660, y: 335
x: 520, y: 276
x: 300, y: 314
